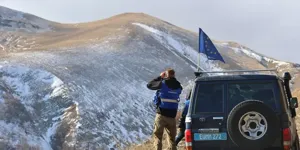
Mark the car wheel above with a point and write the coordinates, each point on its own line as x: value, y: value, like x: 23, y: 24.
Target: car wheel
x: 252, y: 125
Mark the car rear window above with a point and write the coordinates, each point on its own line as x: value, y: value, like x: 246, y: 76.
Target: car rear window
x: 251, y: 91
x: 209, y: 98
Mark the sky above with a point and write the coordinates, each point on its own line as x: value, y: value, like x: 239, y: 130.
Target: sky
x: 270, y: 27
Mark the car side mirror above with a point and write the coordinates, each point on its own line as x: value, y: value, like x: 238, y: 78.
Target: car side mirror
x: 287, y: 76
x: 294, y: 102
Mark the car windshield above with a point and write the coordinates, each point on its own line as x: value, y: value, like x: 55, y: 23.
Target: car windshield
x: 209, y: 98
x: 239, y: 92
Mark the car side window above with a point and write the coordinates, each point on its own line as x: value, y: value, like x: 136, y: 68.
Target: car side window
x: 209, y: 98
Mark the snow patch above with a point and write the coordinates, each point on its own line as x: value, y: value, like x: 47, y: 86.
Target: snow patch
x: 279, y: 63
x: 77, y: 111
x: 56, y: 118
x: 248, y: 52
x: 153, y: 30
x: 50, y: 132
x: 22, y: 82
x: 256, y: 56
x: 2, y: 47
x: 224, y: 44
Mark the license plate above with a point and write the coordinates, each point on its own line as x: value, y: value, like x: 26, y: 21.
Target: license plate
x: 210, y: 136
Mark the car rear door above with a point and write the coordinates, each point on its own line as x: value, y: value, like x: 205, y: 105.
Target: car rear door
x: 209, y: 116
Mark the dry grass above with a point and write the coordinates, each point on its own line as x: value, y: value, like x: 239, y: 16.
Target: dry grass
x: 148, y: 145
x: 68, y: 35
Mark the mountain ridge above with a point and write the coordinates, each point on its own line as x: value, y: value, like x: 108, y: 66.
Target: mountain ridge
x: 128, y: 18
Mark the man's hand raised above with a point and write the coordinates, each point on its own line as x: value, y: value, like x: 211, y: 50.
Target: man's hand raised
x: 163, y: 74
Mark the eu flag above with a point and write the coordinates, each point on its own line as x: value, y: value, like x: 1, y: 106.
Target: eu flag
x: 207, y: 47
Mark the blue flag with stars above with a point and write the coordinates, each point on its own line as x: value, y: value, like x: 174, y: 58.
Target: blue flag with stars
x: 207, y: 47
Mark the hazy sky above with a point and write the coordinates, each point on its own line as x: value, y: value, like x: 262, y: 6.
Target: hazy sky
x: 270, y: 27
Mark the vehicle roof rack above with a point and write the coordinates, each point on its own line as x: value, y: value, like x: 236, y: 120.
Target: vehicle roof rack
x: 200, y: 73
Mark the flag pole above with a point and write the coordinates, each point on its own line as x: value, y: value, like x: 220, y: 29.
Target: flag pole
x: 199, y: 61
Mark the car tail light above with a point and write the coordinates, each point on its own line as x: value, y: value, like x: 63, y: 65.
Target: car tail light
x: 188, y: 139
x: 286, y: 138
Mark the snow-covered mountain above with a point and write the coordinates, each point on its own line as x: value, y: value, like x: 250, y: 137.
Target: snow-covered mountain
x: 84, y: 85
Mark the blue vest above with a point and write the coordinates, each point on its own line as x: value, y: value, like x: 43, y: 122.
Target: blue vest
x: 167, y: 98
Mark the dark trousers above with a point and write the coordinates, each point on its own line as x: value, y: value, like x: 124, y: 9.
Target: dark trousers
x: 179, y: 136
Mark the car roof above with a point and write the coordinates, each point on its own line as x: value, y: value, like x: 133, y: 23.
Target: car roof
x: 236, y: 77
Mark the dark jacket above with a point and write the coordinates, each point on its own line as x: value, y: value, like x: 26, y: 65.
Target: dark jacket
x: 185, y: 110
x: 172, y: 83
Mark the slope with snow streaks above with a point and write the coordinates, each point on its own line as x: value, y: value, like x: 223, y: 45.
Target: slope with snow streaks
x: 177, y: 45
x: 260, y: 58
x: 12, y: 135
x: 30, y: 98
x: 109, y: 84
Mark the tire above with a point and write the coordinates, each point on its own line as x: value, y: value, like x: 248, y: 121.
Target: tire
x: 238, y: 122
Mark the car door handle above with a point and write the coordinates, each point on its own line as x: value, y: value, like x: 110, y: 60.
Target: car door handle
x: 218, y: 118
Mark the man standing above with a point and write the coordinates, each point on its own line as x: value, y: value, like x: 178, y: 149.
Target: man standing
x: 166, y: 99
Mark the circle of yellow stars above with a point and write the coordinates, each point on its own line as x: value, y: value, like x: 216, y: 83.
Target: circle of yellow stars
x: 208, y: 50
